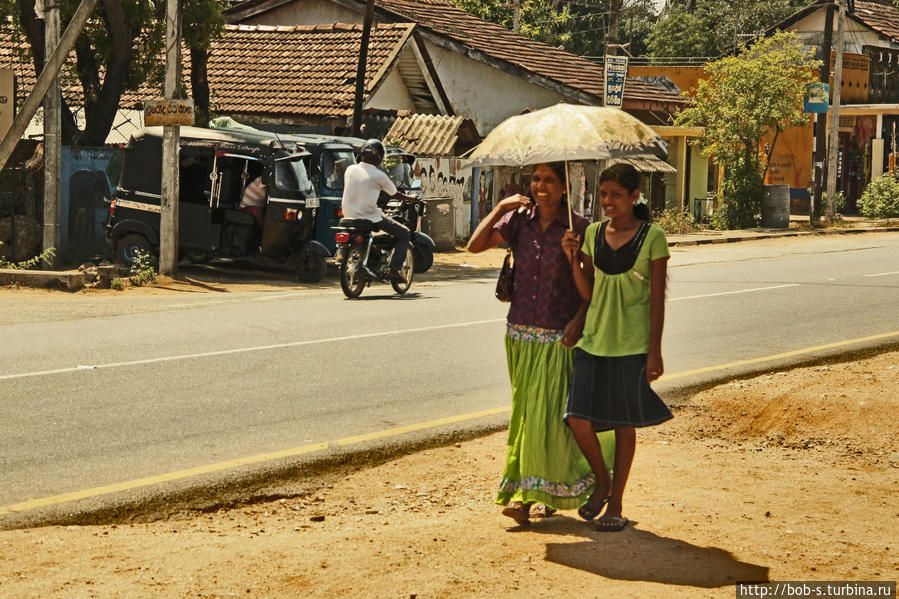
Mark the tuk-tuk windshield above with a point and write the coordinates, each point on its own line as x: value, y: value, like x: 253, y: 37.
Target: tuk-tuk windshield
x: 401, y: 174
x: 333, y: 164
x: 291, y: 175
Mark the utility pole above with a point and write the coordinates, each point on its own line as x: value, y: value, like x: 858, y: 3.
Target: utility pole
x: 168, y: 225
x: 614, y: 20
x: 516, y: 16
x: 818, y: 162
x: 834, y: 140
x: 360, y: 69
x: 52, y: 136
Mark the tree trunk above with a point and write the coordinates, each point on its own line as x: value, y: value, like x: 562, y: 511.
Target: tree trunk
x: 199, y: 85
x: 100, y: 112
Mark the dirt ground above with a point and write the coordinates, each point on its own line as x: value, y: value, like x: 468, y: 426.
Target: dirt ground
x: 786, y: 476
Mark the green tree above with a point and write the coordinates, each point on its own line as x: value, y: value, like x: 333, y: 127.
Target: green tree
x: 537, y: 18
x: 578, y: 26
x: 742, y: 99
x: 119, y: 49
x: 715, y: 27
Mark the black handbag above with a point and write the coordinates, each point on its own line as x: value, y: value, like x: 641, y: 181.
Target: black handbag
x: 505, y: 284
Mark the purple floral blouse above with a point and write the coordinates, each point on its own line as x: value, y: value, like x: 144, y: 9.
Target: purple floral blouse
x: 544, y: 295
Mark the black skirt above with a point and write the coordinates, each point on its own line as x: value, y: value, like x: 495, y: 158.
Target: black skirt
x: 612, y: 391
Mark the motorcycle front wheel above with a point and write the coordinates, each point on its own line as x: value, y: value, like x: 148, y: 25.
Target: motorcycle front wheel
x: 351, y: 280
x: 407, y: 270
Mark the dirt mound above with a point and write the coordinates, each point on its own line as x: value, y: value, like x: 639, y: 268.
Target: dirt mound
x: 849, y: 407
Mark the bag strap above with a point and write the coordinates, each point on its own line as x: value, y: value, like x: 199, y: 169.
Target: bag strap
x: 515, y: 224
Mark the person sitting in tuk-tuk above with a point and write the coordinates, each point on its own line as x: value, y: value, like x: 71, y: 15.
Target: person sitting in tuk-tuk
x: 254, y: 199
x: 363, y: 184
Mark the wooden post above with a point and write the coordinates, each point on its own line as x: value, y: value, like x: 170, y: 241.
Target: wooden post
x: 168, y: 225
x: 834, y: 140
x: 52, y: 139
x: 360, y: 69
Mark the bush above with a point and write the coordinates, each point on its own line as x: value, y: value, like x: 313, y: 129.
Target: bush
x: 674, y: 221
x: 144, y: 270
x: 741, y: 206
x: 881, y: 198
x: 45, y: 256
x: 839, y: 201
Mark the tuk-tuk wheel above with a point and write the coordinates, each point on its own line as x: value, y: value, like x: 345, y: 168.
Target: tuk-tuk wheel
x: 198, y: 257
x: 308, y: 266
x: 130, y: 245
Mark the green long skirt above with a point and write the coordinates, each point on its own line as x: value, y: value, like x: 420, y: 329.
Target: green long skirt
x: 543, y: 462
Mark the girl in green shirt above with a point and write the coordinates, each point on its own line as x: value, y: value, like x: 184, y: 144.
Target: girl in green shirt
x: 621, y: 268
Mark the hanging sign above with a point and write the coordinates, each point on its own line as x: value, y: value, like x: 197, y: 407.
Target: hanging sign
x: 616, y: 73
x: 816, y: 97
x: 7, y: 100
x: 168, y: 112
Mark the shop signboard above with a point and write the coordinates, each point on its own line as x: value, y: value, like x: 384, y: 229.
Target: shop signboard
x: 816, y: 97
x: 616, y: 73
x: 168, y: 112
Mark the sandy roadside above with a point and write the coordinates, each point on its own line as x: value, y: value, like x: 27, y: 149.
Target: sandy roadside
x: 786, y: 476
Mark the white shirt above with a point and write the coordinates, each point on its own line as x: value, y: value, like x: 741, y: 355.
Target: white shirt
x: 362, y: 184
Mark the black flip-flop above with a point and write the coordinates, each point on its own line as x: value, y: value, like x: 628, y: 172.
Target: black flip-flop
x: 611, y: 523
x: 590, y: 510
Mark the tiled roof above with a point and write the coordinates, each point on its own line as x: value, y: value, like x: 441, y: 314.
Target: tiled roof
x: 301, y: 70
x: 270, y: 71
x: 434, y: 135
x: 879, y: 17
x: 446, y: 20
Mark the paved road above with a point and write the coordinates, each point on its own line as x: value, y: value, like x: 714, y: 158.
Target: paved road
x: 100, y: 390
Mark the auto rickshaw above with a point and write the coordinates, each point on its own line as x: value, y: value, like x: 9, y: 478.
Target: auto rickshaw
x: 216, y: 166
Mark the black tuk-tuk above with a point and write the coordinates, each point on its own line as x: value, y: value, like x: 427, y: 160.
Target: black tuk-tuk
x: 216, y: 166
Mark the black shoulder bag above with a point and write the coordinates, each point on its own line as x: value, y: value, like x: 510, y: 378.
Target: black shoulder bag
x: 506, y: 282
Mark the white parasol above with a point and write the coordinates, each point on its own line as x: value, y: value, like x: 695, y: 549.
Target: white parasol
x: 565, y: 132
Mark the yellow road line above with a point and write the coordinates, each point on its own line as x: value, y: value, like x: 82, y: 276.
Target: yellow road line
x: 393, y: 432
x: 159, y: 478
x: 419, y: 427
x: 789, y: 354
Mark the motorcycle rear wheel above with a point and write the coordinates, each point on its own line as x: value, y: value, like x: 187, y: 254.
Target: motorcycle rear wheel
x: 351, y: 280
x: 408, y: 269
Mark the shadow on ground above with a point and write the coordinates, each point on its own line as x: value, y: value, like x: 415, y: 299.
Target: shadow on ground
x: 640, y: 555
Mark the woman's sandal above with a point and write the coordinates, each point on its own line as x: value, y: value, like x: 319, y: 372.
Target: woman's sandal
x: 540, y: 510
x: 611, y: 523
x: 592, y: 508
x: 518, y: 512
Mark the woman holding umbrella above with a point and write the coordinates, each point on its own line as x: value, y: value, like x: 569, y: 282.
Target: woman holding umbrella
x: 543, y: 462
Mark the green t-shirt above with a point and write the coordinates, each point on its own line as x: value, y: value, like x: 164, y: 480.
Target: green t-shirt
x: 618, y: 317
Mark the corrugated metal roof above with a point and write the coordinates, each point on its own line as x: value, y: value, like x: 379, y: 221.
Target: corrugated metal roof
x: 432, y: 134
x: 646, y: 163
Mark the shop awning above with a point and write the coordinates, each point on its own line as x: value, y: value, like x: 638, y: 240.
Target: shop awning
x: 646, y: 163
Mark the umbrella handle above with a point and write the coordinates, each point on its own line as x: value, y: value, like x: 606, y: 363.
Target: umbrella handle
x: 568, y: 194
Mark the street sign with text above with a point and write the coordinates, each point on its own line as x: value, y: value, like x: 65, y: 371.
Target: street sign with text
x: 168, y: 112
x: 616, y: 73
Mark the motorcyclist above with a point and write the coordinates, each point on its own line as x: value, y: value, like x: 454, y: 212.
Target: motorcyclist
x: 363, y: 184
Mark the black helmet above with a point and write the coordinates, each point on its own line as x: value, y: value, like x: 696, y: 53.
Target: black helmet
x: 372, y: 151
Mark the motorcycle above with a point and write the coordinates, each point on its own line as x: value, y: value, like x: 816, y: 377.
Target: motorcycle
x: 363, y: 253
